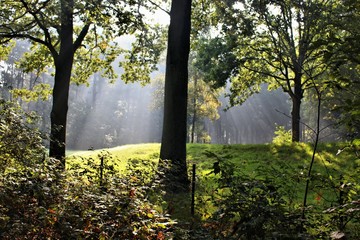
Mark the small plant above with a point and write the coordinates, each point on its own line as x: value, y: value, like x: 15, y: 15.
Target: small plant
x: 95, y: 169
x: 282, y: 136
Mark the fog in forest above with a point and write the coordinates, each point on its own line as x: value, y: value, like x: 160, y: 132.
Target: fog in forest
x: 252, y: 122
x: 107, y: 115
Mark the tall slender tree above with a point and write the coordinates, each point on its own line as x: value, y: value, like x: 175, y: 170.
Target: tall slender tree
x: 203, y: 106
x: 173, y: 142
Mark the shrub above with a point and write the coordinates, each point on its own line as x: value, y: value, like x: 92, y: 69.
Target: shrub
x: 282, y: 136
x: 21, y: 143
x: 249, y: 208
x: 40, y: 203
x: 265, y: 203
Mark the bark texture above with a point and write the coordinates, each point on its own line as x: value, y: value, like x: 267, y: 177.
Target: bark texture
x: 173, y: 143
x: 63, y: 66
x: 296, y: 98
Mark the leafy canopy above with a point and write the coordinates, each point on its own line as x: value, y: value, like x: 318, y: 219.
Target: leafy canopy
x: 276, y: 42
x: 97, y: 28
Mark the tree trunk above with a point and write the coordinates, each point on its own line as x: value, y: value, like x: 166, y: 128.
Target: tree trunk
x: 195, y: 112
x: 59, y: 113
x: 193, y: 125
x: 63, y: 66
x: 295, y: 114
x: 173, y: 142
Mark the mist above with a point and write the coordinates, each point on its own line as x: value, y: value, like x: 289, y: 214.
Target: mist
x: 104, y: 115
x: 252, y: 122
x: 108, y: 115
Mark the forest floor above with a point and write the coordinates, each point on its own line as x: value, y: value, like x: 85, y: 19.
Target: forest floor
x: 286, y: 166
x: 290, y: 162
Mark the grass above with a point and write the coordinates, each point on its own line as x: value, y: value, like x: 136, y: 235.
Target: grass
x: 249, y: 158
x: 250, y: 154
x: 123, y: 153
x: 119, y: 155
x: 256, y: 160
x: 287, y: 165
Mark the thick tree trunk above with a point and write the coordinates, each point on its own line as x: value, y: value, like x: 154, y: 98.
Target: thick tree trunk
x: 59, y: 113
x: 63, y: 66
x: 173, y: 142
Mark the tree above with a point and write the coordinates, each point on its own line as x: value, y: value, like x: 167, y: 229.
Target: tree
x: 77, y: 39
x: 173, y: 142
x: 343, y: 55
x: 276, y: 42
x: 11, y: 77
x: 203, y: 104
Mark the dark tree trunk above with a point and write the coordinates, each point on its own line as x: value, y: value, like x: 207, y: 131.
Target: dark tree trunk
x: 59, y: 113
x: 63, y: 66
x: 173, y: 142
x: 295, y: 113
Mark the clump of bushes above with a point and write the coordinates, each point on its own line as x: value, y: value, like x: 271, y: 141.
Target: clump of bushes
x: 39, y: 201
x: 282, y: 136
x: 21, y: 143
x: 42, y: 203
x: 248, y: 206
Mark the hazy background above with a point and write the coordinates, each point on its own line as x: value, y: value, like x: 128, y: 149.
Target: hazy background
x: 105, y: 114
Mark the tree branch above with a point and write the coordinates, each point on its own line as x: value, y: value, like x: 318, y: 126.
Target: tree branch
x: 81, y: 36
x: 265, y: 73
x: 47, y: 42
x: 23, y: 36
x: 159, y: 7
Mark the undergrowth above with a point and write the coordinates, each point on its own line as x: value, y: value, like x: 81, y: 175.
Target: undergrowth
x: 242, y: 191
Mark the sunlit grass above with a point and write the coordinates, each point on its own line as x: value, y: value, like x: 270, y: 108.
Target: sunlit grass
x: 249, y: 158
x: 122, y: 152
x: 288, y: 164
x: 119, y: 155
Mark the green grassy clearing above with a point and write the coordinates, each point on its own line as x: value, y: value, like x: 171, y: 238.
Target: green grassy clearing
x: 120, y: 156
x: 287, y: 163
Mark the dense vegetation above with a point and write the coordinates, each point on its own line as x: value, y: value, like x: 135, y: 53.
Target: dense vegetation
x: 242, y: 191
